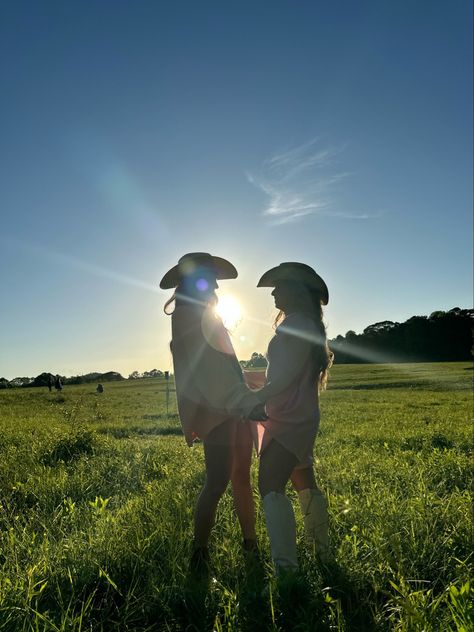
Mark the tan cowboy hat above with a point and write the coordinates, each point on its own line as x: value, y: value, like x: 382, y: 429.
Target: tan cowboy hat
x: 195, y: 263
x: 293, y: 271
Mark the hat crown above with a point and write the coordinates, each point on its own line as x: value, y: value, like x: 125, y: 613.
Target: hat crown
x: 198, y: 263
x: 194, y: 262
x: 196, y: 256
x: 296, y: 272
x: 297, y: 267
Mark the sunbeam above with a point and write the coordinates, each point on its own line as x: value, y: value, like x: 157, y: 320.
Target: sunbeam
x: 368, y: 356
x: 79, y: 264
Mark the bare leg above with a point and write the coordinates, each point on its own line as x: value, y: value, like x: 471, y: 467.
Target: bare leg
x: 241, y: 486
x: 276, y: 467
x: 218, y: 460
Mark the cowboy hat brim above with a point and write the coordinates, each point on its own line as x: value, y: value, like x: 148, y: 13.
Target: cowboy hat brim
x: 189, y: 265
x: 298, y: 272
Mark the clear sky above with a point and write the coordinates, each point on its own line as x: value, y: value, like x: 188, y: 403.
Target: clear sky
x: 338, y: 134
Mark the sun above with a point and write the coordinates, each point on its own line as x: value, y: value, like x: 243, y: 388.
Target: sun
x: 228, y: 308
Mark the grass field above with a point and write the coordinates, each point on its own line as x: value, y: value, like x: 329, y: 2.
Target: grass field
x: 97, y: 494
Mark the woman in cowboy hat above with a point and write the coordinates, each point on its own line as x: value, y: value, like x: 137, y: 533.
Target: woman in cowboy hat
x: 298, y: 361
x: 212, y: 395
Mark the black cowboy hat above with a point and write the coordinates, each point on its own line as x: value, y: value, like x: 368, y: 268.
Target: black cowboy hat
x: 293, y: 271
x: 195, y: 263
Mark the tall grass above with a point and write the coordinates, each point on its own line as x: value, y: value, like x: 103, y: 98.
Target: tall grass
x: 97, y: 494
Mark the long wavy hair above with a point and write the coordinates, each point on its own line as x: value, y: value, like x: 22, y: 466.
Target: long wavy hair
x: 308, y: 301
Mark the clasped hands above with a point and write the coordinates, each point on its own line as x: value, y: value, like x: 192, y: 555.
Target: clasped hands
x: 257, y: 413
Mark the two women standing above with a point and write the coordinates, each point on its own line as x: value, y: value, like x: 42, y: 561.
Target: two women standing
x: 213, y: 401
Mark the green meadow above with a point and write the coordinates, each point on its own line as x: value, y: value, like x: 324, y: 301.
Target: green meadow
x: 97, y: 494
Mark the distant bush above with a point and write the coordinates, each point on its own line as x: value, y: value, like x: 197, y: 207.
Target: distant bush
x: 110, y: 376
x: 135, y: 375
x: 257, y: 360
x: 21, y: 381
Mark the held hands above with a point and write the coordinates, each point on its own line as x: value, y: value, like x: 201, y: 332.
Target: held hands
x: 254, y: 379
x: 258, y: 413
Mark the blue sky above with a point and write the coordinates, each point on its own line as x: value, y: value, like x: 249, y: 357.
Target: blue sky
x: 336, y: 134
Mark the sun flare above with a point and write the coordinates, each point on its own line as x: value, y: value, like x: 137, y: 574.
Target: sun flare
x: 228, y: 308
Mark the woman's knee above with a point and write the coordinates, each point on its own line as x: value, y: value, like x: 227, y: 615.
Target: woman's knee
x: 268, y: 484
x: 215, y: 489
x: 303, y: 478
x: 240, y: 473
x: 276, y: 465
x: 241, y: 485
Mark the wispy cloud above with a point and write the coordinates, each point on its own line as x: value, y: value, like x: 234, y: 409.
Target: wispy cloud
x: 302, y: 181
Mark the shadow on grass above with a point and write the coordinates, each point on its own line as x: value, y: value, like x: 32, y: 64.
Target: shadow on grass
x: 325, y: 600
x: 353, y: 599
x: 127, y: 433
x: 249, y: 603
x: 257, y: 603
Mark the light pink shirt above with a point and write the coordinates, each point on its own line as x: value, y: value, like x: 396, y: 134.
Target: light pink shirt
x: 291, y: 392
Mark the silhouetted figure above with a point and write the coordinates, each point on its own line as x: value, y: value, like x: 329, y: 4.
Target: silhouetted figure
x: 58, y: 385
x: 212, y: 397
x: 50, y: 383
x: 298, y: 362
x: 100, y: 388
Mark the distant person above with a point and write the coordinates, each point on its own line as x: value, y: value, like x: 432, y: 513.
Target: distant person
x: 212, y: 396
x: 298, y: 363
x: 58, y: 385
x: 100, y: 388
x: 50, y: 382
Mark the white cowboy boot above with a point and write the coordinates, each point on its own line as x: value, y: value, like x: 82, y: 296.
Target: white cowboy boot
x: 281, y: 529
x: 314, y: 508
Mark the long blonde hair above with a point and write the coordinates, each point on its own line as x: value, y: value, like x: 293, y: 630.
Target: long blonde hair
x: 322, y: 355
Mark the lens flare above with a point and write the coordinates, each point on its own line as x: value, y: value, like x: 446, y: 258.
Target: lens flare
x: 202, y: 285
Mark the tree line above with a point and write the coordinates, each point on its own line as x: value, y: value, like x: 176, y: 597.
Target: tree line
x: 45, y: 378
x: 440, y: 337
